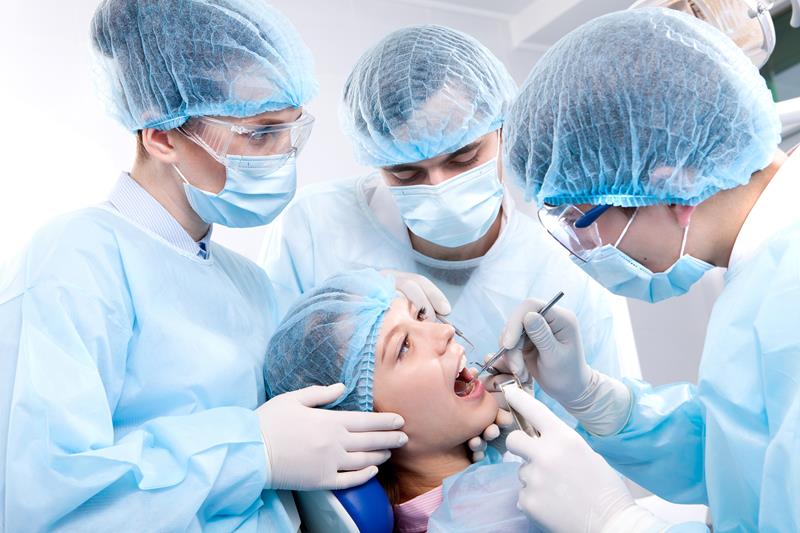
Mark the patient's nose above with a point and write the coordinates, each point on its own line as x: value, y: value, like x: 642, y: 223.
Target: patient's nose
x: 443, y: 334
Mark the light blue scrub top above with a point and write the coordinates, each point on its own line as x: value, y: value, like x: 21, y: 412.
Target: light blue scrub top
x: 733, y: 441
x: 130, y: 368
x: 354, y: 223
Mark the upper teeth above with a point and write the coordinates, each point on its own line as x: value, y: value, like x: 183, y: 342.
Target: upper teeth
x: 462, y: 365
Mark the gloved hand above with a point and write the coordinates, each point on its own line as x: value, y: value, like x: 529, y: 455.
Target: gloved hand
x: 313, y: 449
x: 551, y: 350
x: 421, y: 292
x: 477, y: 445
x: 566, y: 485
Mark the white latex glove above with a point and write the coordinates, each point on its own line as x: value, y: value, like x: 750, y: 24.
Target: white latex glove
x: 477, y: 445
x: 552, y: 351
x: 421, y: 292
x: 503, y: 422
x: 566, y: 485
x: 313, y: 449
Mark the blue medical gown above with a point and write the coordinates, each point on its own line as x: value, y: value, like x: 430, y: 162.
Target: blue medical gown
x: 354, y: 223
x: 130, y: 372
x: 732, y: 441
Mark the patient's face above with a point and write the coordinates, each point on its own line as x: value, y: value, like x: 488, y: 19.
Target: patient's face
x: 416, y: 365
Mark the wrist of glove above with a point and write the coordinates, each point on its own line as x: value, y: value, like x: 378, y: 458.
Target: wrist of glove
x: 604, y: 407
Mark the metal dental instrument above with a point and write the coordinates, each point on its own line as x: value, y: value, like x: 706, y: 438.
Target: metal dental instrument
x: 520, y: 421
x: 499, y: 353
x: 460, y: 333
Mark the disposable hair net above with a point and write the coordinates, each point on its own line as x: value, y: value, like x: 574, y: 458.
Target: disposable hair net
x: 329, y: 336
x: 421, y: 92
x: 163, y: 61
x: 641, y: 107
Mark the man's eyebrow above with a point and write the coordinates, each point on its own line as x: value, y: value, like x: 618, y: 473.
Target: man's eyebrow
x: 464, y: 149
x: 401, y: 168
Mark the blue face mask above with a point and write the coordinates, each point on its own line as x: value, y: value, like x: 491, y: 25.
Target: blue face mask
x: 454, y: 213
x: 622, y: 275
x: 255, y: 192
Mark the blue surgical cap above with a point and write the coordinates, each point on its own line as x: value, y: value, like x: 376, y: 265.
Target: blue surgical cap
x: 329, y: 336
x: 164, y: 61
x: 640, y: 107
x: 421, y: 92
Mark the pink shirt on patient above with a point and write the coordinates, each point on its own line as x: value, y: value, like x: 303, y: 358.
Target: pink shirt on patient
x: 412, y: 516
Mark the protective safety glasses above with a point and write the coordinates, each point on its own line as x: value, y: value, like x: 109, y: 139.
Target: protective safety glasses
x: 572, y: 228
x: 224, y: 140
x: 578, y: 232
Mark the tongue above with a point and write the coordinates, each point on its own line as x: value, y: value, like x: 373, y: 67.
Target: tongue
x: 463, y: 383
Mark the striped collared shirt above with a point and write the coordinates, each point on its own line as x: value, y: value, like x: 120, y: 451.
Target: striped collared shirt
x: 136, y: 204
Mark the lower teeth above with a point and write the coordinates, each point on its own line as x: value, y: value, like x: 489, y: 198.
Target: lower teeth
x: 465, y: 389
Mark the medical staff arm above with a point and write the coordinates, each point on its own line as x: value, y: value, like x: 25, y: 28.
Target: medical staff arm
x: 662, y: 445
x: 73, y: 464
x: 653, y: 436
x: 559, y: 462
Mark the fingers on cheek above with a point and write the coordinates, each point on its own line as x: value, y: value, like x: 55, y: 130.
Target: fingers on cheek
x: 504, y: 418
x: 527, y: 504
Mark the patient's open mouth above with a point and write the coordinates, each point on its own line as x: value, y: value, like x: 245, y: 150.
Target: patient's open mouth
x: 464, y: 384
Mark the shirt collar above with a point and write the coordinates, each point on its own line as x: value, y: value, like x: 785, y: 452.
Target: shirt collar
x: 774, y: 210
x: 136, y: 204
x: 413, y: 515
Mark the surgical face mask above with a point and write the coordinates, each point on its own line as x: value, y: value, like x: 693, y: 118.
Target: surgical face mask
x: 622, y: 275
x: 257, y: 189
x: 456, y: 212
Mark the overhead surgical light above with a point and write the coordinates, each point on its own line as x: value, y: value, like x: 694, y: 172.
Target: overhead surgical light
x: 747, y: 22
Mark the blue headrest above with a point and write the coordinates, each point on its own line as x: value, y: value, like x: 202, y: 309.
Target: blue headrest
x: 368, y: 506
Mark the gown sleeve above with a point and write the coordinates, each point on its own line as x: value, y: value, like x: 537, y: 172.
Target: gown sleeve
x: 66, y: 321
x: 662, y: 445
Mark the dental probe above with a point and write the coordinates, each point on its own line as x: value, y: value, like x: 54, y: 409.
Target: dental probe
x: 499, y: 353
x: 519, y: 421
x: 460, y: 333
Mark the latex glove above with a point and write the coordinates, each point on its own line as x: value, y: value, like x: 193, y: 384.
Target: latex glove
x: 421, y: 292
x: 503, y: 422
x: 551, y: 350
x: 477, y: 445
x: 312, y: 449
x: 566, y: 485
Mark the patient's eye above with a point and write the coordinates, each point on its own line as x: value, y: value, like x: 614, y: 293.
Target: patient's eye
x: 421, y: 316
x: 403, y: 348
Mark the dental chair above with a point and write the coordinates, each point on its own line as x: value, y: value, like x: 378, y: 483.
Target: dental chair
x: 364, y: 509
